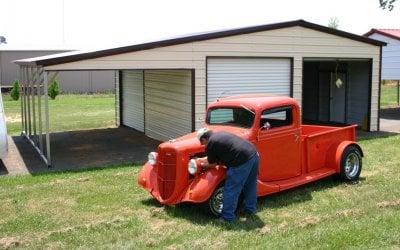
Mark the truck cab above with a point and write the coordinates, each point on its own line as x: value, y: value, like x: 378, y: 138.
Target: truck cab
x: 291, y: 154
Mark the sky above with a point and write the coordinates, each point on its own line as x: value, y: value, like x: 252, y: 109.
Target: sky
x: 91, y: 24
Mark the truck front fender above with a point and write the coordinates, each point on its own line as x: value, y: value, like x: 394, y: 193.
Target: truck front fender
x: 203, y: 185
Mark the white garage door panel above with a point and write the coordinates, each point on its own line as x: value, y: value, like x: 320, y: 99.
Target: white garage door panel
x: 232, y: 76
x: 168, y: 103
x: 132, y: 99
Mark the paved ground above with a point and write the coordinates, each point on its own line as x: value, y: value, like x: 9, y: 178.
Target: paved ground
x: 79, y: 149
x: 390, y: 120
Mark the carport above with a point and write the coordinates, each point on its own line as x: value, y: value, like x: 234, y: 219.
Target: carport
x: 163, y: 87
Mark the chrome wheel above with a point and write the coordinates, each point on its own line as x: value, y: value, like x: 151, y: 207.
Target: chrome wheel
x: 352, y: 165
x: 216, y: 201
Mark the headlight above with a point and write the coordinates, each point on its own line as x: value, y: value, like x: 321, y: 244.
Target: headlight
x: 192, y: 166
x: 152, y: 158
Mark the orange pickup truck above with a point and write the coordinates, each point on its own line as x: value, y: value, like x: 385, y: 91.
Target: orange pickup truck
x: 291, y: 154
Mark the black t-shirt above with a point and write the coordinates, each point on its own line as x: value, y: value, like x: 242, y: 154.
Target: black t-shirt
x: 229, y: 149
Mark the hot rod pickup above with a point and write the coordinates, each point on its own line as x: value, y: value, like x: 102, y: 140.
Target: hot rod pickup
x: 291, y: 154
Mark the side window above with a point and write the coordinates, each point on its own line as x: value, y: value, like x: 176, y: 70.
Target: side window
x: 277, y: 117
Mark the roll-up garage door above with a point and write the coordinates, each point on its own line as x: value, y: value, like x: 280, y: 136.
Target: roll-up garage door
x: 132, y: 99
x: 168, y: 104
x: 233, y: 76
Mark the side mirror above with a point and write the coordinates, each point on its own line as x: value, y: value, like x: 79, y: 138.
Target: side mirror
x: 266, y: 126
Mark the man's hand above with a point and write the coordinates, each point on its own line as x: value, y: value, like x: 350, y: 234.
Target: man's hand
x: 205, y: 164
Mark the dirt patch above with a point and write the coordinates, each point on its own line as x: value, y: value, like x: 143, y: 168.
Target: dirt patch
x: 83, y: 179
x: 309, y: 221
x: 389, y: 204
x: 283, y: 226
x: 13, y: 119
x: 264, y: 230
x: 349, y: 213
x: 10, y: 242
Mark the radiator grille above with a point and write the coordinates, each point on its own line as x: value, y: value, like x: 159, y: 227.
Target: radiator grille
x: 166, y: 170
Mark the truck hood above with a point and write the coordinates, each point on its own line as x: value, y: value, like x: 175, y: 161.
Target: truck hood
x: 191, y: 144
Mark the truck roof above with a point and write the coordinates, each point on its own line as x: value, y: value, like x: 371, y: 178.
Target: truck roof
x: 255, y: 101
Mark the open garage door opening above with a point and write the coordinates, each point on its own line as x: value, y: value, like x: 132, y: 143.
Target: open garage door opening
x: 337, y: 91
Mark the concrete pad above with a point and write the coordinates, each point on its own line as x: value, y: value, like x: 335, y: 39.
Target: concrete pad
x: 390, y: 120
x: 80, y: 149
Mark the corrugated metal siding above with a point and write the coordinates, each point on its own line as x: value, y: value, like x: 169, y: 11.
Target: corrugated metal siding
x: 70, y: 81
x: 168, y: 105
x: 231, y: 76
x: 390, y: 57
x: 132, y: 99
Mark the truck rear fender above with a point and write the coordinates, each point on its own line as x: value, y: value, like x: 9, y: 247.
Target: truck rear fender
x: 203, y: 185
x: 334, y: 157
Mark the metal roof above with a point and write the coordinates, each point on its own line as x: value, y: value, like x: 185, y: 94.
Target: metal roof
x: 78, y: 56
x: 392, y: 33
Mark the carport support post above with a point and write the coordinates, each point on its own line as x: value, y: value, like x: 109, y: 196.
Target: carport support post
x: 29, y: 90
x: 24, y: 79
x: 39, y: 94
x: 46, y: 111
x: 33, y: 91
x: 21, y: 98
x: 398, y: 92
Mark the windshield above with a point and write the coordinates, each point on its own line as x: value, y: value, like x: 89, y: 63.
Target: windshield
x: 240, y: 117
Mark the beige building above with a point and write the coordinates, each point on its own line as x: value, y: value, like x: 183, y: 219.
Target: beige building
x: 70, y: 81
x: 164, y: 86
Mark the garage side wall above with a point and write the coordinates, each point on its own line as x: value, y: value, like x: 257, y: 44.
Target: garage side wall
x: 293, y: 42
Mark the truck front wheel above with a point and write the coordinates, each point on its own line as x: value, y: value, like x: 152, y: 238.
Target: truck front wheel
x: 215, y: 201
x: 351, y: 164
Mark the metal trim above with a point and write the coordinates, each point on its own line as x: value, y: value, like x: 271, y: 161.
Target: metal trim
x: 200, y: 37
x: 121, y: 114
x: 193, y: 90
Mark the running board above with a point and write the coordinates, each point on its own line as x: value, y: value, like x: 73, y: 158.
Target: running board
x: 304, y: 179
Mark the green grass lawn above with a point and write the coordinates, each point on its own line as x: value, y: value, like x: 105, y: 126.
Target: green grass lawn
x: 389, y: 96
x: 68, y: 112
x: 106, y: 209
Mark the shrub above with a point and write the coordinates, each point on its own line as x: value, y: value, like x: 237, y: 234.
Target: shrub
x: 54, y: 89
x: 15, y: 91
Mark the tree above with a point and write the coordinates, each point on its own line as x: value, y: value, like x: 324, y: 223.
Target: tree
x: 387, y: 4
x: 333, y: 23
x: 15, y: 91
x: 54, y: 89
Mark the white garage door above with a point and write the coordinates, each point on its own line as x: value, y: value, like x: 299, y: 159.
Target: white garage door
x: 232, y: 76
x: 132, y: 99
x: 168, y: 104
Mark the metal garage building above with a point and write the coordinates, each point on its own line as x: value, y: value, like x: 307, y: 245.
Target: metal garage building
x: 163, y: 87
x: 70, y: 81
x: 390, y: 53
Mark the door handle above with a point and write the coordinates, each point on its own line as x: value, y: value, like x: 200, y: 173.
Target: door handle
x: 296, y: 137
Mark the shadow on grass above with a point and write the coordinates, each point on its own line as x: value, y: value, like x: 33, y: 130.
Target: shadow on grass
x: 365, y: 136
x: 199, y: 214
x: 84, y: 170
x: 391, y: 113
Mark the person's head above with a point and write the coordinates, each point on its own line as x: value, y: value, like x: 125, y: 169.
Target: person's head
x: 203, y: 135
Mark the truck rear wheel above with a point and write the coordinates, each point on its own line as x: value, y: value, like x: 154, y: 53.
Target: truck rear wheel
x: 351, y: 164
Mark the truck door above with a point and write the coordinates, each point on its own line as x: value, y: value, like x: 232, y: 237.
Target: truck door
x: 278, y: 143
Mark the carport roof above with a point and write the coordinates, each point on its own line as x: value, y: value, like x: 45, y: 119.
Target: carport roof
x: 77, y: 56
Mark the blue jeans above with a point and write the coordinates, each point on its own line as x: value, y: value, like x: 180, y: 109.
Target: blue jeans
x: 238, y: 179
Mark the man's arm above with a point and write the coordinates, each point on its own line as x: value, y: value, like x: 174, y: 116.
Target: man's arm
x: 205, y: 164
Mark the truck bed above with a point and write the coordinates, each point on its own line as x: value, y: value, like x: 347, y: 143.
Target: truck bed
x: 318, y: 142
